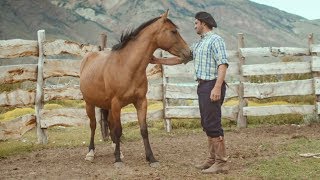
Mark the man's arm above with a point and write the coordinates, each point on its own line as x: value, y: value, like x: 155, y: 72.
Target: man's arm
x: 166, y: 61
x: 216, y: 91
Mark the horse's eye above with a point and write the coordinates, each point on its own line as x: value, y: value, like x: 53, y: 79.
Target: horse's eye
x: 174, y: 31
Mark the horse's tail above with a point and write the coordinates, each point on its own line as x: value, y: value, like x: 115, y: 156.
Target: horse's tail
x: 104, y: 124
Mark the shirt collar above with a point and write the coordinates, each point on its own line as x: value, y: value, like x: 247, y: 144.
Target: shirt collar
x: 206, y: 34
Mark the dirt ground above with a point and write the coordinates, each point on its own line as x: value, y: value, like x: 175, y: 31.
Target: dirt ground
x: 177, y: 156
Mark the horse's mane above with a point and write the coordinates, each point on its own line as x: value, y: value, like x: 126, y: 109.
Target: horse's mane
x: 132, y: 34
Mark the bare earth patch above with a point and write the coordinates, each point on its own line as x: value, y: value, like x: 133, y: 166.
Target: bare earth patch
x: 177, y: 156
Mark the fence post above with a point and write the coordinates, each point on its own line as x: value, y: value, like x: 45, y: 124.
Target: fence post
x: 103, y: 40
x: 39, y: 99
x: 167, y: 121
x: 316, y: 75
x: 242, y: 120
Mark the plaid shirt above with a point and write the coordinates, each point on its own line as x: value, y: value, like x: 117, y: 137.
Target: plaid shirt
x: 208, y: 53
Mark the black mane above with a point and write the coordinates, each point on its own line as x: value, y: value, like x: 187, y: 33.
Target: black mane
x: 132, y: 34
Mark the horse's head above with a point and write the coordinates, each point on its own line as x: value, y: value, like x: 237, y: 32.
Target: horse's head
x: 169, y: 39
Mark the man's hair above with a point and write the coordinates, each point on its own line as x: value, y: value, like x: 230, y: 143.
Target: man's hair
x: 206, y: 18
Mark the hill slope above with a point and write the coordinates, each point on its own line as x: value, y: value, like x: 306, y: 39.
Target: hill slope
x: 84, y: 20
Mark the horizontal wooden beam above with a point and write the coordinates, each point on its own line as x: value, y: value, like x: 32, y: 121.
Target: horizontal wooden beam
x: 273, y: 51
x: 315, y: 64
x: 276, y: 68
x: 189, y: 91
x: 229, y: 112
x: 278, y: 109
x: 315, y: 48
x: 17, y: 97
x: 61, y: 46
x: 187, y: 70
x: 61, y: 67
x: 75, y: 117
x: 286, y: 88
x: 14, y: 129
x: 18, y: 73
x: 18, y: 48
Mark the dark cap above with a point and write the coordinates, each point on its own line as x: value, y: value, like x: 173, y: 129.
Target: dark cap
x: 206, y: 18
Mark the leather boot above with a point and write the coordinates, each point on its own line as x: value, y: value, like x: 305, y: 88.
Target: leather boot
x: 211, y: 158
x: 220, y: 165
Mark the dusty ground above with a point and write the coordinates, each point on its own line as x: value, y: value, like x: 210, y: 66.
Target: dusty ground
x: 177, y: 156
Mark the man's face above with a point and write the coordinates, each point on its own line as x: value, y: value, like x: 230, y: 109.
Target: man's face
x: 198, y: 26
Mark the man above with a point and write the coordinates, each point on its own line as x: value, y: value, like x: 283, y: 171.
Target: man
x: 210, y: 63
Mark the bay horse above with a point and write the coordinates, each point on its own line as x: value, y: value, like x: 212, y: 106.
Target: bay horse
x: 113, y: 79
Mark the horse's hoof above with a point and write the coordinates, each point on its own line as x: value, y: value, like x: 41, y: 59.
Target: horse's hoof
x: 154, y: 164
x: 118, y: 164
x: 90, y: 156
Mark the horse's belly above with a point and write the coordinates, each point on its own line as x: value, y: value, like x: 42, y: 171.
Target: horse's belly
x: 97, y: 100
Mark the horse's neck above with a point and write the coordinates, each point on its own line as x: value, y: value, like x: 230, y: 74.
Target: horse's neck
x: 138, y: 53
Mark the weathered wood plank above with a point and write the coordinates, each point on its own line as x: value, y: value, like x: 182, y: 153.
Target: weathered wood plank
x: 180, y: 70
x: 187, y: 70
x: 258, y: 51
x: 14, y: 48
x: 76, y: 117
x: 189, y: 91
x: 230, y: 54
x: 278, y: 109
x: 17, y: 98
x: 18, y: 73
x: 229, y: 112
x: 315, y: 64
x: 154, y: 92
x: 293, y: 51
x: 15, y: 128
x: 22, y: 97
x: 276, y: 68
x: 317, y: 85
x: 60, y: 46
x: 66, y: 92
x: 287, y: 88
x: 273, y: 51
x: 315, y: 48
x: 54, y: 68
x: 61, y: 67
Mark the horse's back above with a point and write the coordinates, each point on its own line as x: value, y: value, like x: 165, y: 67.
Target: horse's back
x: 93, y: 59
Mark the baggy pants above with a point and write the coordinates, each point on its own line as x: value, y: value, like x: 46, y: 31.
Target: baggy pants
x: 210, y: 112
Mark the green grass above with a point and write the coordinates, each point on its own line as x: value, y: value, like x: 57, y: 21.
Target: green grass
x: 288, y: 164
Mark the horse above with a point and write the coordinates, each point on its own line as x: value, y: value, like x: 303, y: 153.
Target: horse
x: 113, y: 79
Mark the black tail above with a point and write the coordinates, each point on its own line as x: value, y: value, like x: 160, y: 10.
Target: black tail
x: 104, y: 124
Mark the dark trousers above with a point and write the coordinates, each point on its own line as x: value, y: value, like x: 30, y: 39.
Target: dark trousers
x: 210, y: 112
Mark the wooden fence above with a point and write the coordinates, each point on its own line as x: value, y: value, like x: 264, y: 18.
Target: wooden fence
x: 243, y: 89
x: 161, y: 86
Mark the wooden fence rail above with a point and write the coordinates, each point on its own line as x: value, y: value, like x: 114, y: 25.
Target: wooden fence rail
x: 161, y: 86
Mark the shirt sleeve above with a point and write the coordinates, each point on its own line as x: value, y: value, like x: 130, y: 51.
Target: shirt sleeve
x: 220, y: 52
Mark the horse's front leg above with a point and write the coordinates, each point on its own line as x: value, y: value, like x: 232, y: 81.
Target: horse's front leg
x: 141, y: 106
x: 116, y: 130
x: 91, y: 114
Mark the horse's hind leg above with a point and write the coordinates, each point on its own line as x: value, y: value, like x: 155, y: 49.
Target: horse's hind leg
x: 91, y: 114
x: 141, y: 106
x: 116, y: 130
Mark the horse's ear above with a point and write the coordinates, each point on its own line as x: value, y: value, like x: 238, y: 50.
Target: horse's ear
x: 165, y: 15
